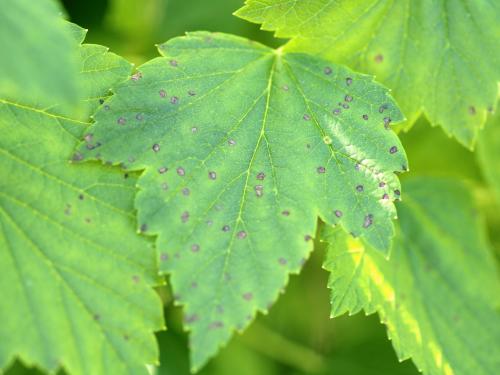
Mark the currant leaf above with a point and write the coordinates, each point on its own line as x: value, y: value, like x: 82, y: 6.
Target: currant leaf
x: 438, y: 293
x: 75, y: 277
x: 440, y: 58
x: 32, y: 70
x: 243, y: 148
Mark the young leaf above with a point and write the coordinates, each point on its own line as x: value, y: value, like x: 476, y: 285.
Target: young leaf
x: 489, y: 153
x: 38, y: 54
x: 440, y: 58
x: 243, y: 148
x: 439, y: 292
x: 75, y: 278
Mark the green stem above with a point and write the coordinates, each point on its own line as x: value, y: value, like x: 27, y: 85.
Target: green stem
x: 270, y: 343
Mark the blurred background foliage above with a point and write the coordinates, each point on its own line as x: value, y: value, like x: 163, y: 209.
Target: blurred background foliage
x: 297, y: 336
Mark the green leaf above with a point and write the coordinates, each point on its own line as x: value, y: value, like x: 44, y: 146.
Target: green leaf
x: 439, y: 292
x: 243, y: 148
x: 75, y: 278
x: 39, y: 59
x: 440, y: 58
x: 489, y: 153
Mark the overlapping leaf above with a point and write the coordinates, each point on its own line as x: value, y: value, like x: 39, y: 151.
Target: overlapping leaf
x: 243, y: 148
x: 440, y: 57
x: 37, y: 59
x: 439, y: 292
x: 75, y: 279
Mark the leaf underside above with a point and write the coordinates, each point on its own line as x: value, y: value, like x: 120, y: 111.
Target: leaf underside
x: 439, y: 292
x: 75, y: 277
x: 243, y: 148
x: 31, y: 69
x: 439, y: 57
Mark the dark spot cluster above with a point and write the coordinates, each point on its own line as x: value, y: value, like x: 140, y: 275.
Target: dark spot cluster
x: 368, y: 221
x: 191, y: 318
x: 248, y: 296
x: 383, y: 107
x: 216, y: 325
x: 259, y: 190
x: 397, y: 193
x: 136, y: 76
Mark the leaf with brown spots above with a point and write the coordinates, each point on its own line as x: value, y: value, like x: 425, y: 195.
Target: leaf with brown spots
x: 441, y: 58
x: 75, y: 280
x: 231, y: 137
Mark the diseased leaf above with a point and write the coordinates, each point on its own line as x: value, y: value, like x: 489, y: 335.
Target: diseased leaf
x: 243, y: 148
x: 440, y: 57
x: 75, y: 279
x: 439, y: 292
x: 39, y: 59
x: 489, y: 153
